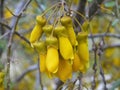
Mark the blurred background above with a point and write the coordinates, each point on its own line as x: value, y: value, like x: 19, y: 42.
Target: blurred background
x: 104, y: 44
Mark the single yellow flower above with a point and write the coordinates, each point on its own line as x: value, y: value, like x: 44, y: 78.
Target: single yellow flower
x: 83, y: 50
x: 52, y: 59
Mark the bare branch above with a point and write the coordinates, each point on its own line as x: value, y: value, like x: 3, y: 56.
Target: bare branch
x: 8, y: 27
x: 18, y: 34
x: 28, y: 70
x: 111, y: 46
x: 104, y: 35
x: 22, y: 37
x: 5, y: 34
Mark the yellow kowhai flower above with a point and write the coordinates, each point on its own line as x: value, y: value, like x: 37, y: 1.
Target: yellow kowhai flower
x: 67, y: 22
x: 83, y: 50
x: 52, y: 59
x: 65, y: 46
x: 37, y: 30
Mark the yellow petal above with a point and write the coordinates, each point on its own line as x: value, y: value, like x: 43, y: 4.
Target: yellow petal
x: 36, y: 33
x: 65, y: 47
x: 72, y: 35
x: 52, y: 59
x: 83, y: 51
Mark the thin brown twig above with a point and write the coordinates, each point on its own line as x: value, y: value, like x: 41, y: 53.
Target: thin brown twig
x: 104, y: 35
x: 11, y: 12
x: 95, y: 59
x: 8, y: 27
x: 100, y: 50
x: 80, y: 81
x: 18, y: 34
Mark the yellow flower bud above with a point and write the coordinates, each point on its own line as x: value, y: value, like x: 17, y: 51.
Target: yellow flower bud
x: 41, y: 20
x: 67, y: 22
x: 37, y: 30
x: 83, y: 50
x: 65, y: 47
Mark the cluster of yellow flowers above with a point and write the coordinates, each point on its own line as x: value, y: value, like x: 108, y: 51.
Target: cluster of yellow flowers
x: 61, y: 51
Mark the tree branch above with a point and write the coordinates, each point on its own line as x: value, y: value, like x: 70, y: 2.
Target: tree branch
x: 28, y: 70
x: 18, y: 34
x: 104, y: 35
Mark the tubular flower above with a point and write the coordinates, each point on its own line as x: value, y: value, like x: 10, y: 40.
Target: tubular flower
x: 37, y: 30
x: 67, y: 22
x: 64, y: 72
x: 65, y: 46
x: 66, y: 49
x: 83, y: 50
x: 52, y: 59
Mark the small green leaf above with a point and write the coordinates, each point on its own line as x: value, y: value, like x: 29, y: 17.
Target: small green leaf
x: 110, y: 4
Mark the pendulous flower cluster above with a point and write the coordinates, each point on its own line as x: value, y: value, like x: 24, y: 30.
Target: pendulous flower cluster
x: 60, y: 49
